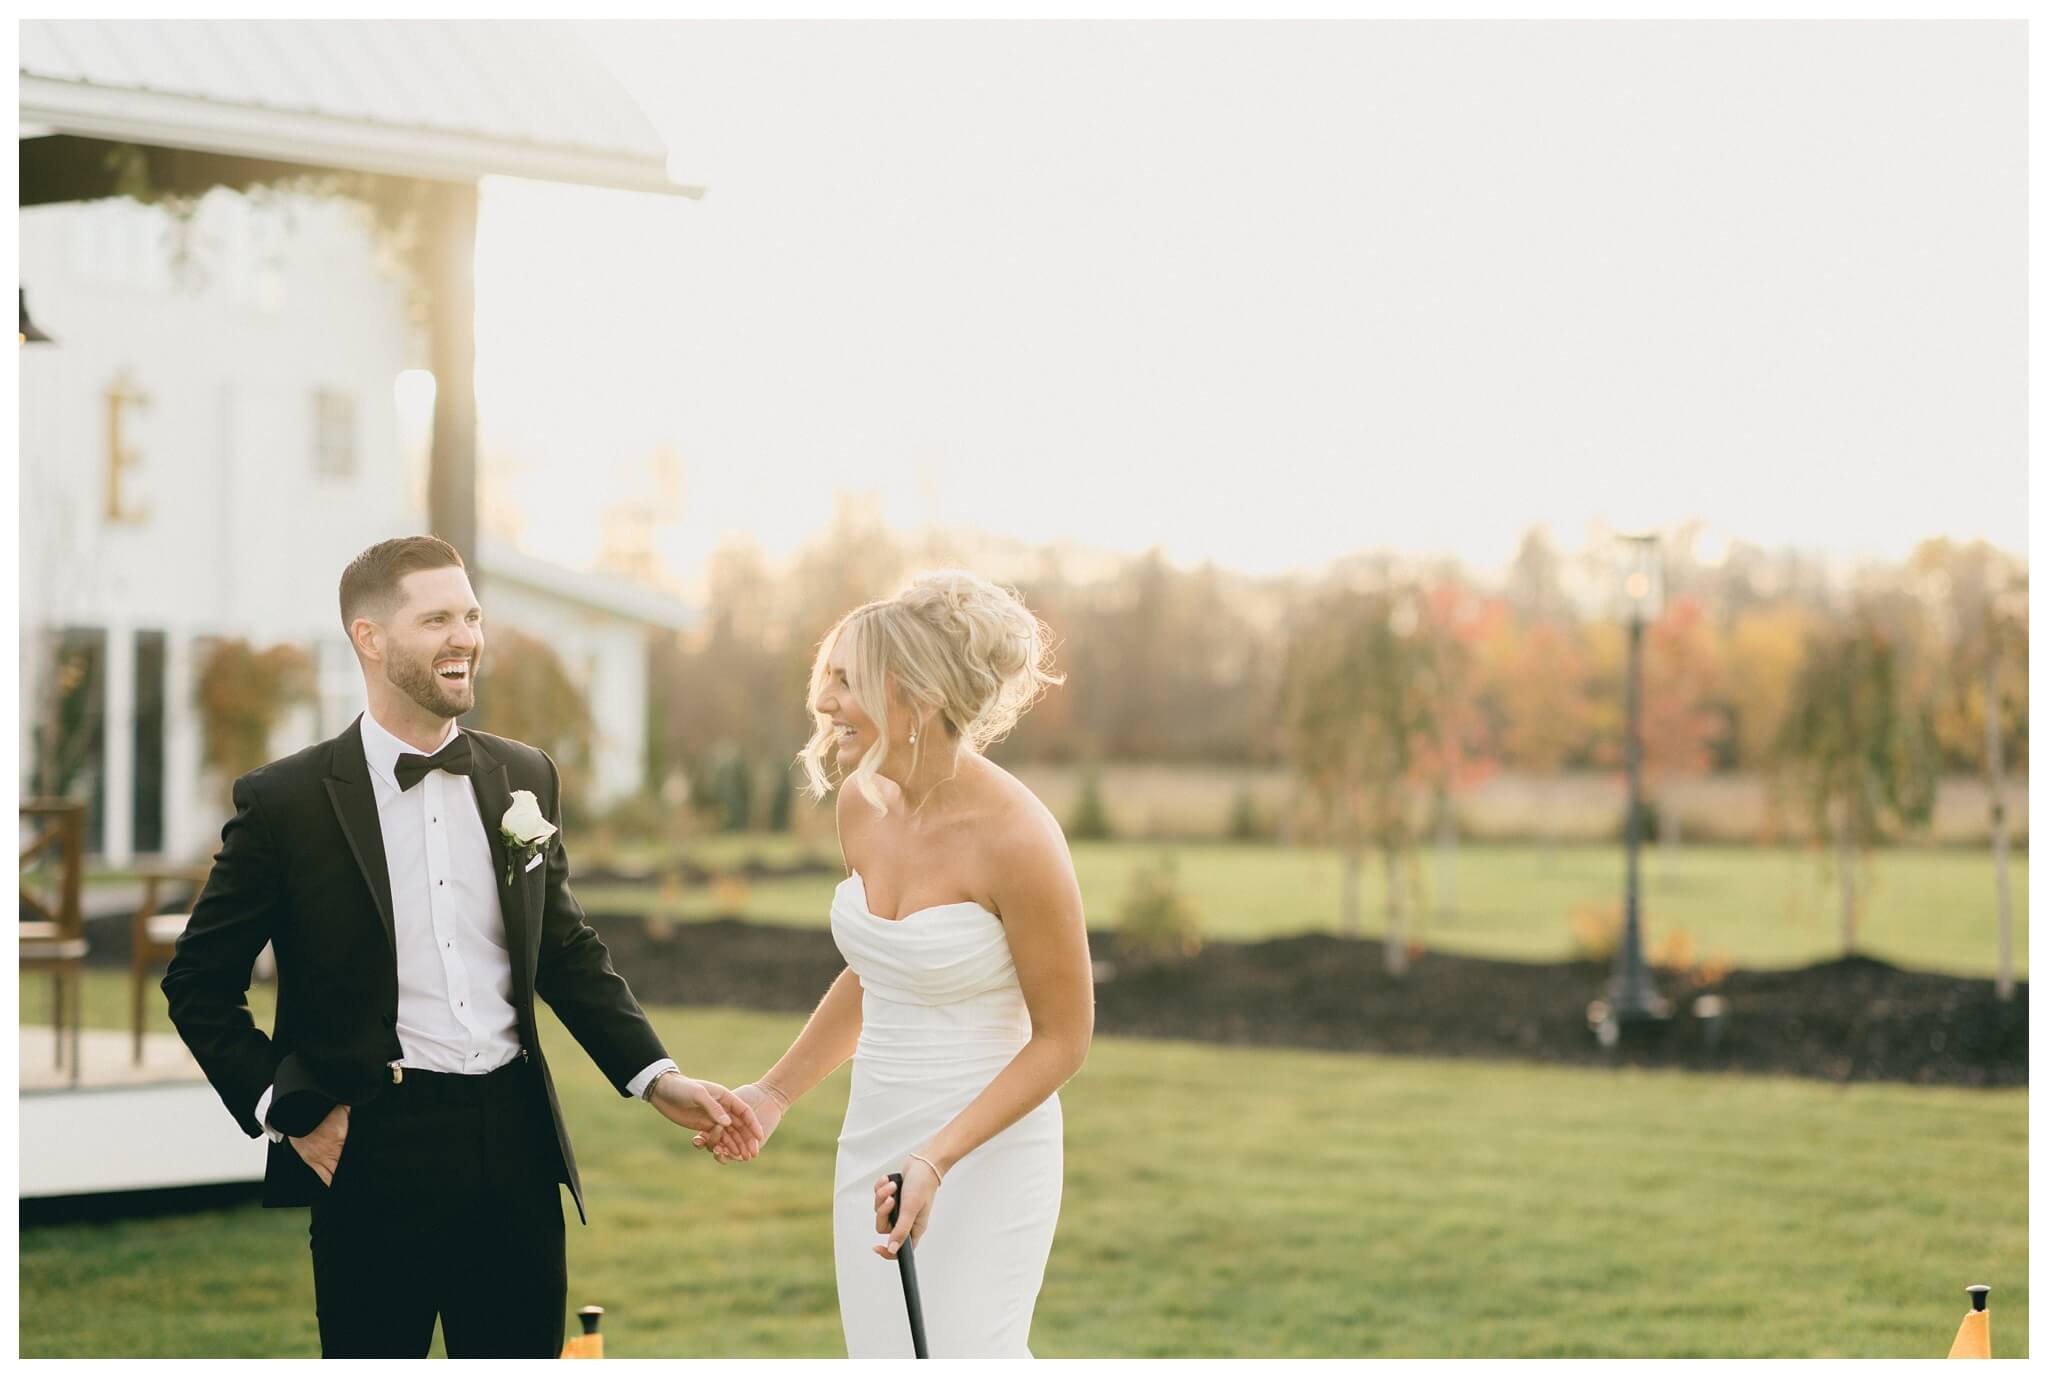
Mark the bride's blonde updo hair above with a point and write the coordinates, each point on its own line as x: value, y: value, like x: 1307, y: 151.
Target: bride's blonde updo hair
x: 953, y: 642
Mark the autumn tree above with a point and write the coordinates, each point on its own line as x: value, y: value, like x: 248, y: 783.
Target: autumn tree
x: 857, y: 560
x: 737, y: 704
x: 1173, y: 667
x: 1766, y: 647
x: 1974, y: 593
x: 70, y: 712
x: 1049, y: 731
x: 1457, y: 624
x: 1682, y: 674
x: 1538, y: 676
x: 243, y: 693
x: 728, y: 694
x: 525, y: 692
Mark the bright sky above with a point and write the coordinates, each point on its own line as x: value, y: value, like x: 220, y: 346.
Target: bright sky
x: 1269, y: 293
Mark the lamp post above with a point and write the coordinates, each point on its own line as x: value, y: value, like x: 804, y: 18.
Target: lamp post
x: 1633, y: 999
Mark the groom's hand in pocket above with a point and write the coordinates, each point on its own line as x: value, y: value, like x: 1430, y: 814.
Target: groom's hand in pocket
x: 321, y: 1149
x: 707, y: 1106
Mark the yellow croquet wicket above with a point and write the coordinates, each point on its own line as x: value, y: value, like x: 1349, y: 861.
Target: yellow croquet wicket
x: 590, y: 1344
x: 1973, y: 1339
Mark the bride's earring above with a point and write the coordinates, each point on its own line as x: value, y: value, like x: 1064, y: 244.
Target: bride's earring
x: 913, y: 736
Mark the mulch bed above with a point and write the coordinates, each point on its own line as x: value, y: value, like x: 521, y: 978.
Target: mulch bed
x: 1850, y: 1019
x: 1853, y: 1019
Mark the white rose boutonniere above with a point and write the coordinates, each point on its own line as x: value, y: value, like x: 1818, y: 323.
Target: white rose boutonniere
x: 524, y: 830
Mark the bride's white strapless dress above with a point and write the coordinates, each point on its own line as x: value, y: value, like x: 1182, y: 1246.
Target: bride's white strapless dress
x: 941, y: 1015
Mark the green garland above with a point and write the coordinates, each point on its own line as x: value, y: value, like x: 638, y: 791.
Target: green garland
x: 175, y: 181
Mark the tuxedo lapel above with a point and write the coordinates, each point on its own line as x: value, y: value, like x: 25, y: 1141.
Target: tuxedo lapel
x: 518, y: 896
x: 355, y: 805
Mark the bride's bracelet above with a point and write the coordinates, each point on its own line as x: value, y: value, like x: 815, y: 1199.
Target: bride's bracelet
x: 775, y: 1091
x: 930, y: 1164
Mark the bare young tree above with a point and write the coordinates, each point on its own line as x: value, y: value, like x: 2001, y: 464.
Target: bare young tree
x: 1978, y: 597
x: 1359, y: 710
x: 1858, y: 749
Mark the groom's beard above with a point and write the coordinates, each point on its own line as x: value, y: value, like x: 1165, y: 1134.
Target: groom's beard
x: 417, y: 681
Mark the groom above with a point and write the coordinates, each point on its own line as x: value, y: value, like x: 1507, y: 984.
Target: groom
x: 417, y: 901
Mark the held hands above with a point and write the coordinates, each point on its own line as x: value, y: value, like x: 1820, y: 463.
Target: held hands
x: 321, y: 1149
x: 768, y: 1106
x: 920, y: 1186
x: 709, y: 1108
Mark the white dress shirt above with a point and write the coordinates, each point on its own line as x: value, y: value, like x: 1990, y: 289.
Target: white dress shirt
x: 455, y: 1009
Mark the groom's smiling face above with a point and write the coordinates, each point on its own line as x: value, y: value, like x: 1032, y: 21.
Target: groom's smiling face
x: 435, y: 641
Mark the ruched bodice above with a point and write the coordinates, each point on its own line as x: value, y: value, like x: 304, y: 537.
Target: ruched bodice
x: 941, y: 1015
x: 936, y: 984
x: 939, y: 955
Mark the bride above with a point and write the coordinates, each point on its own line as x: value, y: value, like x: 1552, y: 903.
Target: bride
x: 968, y: 998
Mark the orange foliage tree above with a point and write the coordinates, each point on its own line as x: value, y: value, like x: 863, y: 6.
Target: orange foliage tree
x: 1682, y: 673
x: 1538, y: 675
x: 243, y: 692
x: 1457, y: 626
x: 524, y: 692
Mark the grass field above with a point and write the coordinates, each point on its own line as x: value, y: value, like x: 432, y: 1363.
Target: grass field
x: 1931, y: 908
x: 1187, y: 800
x: 1393, y: 1207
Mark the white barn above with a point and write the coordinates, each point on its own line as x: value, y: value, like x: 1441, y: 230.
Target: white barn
x: 214, y: 431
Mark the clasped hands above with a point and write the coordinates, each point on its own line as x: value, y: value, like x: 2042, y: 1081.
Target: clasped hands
x: 729, y: 1117
x: 726, y: 1143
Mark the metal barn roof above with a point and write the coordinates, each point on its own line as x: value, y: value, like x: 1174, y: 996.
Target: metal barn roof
x: 499, y: 561
x: 440, y: 99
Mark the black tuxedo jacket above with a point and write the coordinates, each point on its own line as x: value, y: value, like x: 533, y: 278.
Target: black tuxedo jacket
x: 301, y: 866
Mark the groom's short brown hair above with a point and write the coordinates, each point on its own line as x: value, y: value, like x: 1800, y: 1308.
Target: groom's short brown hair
x: 369, y: 586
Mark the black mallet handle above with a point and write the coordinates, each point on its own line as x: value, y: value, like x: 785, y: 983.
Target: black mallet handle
x: 908, y: 1267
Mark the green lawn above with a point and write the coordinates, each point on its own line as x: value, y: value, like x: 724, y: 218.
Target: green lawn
x: 1931, y: 908
x: 1369, y: 1206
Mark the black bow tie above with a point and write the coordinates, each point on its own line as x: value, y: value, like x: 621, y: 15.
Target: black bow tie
x: 453, y: 758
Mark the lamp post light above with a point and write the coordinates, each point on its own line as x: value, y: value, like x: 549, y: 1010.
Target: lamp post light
x: 1632, y: 999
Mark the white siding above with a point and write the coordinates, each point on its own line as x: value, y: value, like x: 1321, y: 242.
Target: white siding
x: 242, y: 536
x: 606, y: 657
